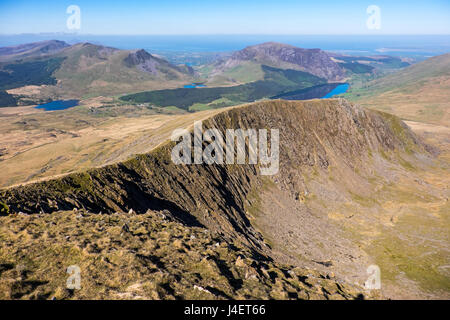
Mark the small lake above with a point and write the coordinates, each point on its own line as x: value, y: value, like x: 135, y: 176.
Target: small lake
x: 58, y: 105
x: 342, y: 88
x: 195, y: 85
x: 321, y: 91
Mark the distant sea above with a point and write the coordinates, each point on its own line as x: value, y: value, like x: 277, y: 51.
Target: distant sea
x: 419, y: 47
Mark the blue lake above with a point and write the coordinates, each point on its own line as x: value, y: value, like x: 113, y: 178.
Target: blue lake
x: 195, y: 85
x: 321, y: 91
x: 342, y: 88
x: 58, y: 105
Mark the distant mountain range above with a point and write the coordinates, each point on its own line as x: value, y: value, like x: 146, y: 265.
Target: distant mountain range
x: 57, y: 70
x: 84, y: 70
x: 51, y: 70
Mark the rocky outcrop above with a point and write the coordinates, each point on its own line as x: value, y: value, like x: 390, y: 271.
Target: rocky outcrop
x: 142, y: 60
x: 146, y: 62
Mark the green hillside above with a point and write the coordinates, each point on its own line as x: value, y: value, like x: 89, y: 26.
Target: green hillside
x: 7, y: 100
x: 419, y: 92
x: 36, y: 72
x: 276, y: 81
x: 86, y: 70
x: 356, y: 67
x: 91, y: 70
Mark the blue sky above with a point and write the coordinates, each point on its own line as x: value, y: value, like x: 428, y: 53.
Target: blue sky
x: 226, y: 17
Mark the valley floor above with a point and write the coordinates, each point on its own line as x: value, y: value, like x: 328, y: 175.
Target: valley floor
x: 36, y: 145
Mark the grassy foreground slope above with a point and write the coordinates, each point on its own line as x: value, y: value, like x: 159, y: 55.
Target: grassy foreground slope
x: 146, y: 256
x: 419, y: 92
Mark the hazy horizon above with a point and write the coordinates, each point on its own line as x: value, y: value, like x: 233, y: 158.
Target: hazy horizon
x: 406, y: 45
x: 290, y: 17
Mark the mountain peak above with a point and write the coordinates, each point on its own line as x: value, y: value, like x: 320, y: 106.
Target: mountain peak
x: 285, y: 56
x: 144, y: 61
x: 139, y: 56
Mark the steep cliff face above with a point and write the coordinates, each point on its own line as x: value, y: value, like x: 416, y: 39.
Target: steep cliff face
x: 312, y: 134
x: 330, y: 153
